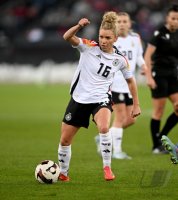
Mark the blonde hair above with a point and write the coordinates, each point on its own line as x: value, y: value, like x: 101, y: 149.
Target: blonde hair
x: 109, y: 22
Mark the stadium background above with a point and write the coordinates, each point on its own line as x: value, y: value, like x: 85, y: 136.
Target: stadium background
x: 32, y: 51
x: 31, y: 45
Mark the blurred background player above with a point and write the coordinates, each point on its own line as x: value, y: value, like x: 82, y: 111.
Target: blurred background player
x: 90, y: 90
x: 129, y: 44
x: 171, y: 148
x: 161, y: 57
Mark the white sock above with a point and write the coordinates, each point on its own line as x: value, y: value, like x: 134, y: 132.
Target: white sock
x: 106, y: 148
x: 117, y: 134
x: 64, y: 156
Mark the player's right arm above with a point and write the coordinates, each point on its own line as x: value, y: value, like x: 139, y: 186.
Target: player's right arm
x: 148, y: 54
x: 70, y: 35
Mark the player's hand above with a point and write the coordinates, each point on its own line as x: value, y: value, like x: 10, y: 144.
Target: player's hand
x: 83, y: 22
x: 136, y: 111
x: 143, y: 70
x: 151, y: 83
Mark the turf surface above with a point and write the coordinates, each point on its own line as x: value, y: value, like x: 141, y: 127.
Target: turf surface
x: 30, y: 117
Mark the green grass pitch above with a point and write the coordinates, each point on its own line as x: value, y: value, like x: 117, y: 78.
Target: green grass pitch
x: 30, y: 119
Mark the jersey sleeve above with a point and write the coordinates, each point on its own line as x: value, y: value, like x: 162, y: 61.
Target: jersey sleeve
x: 125, y: 68
x: 81, y: 46
x: 84, y: 44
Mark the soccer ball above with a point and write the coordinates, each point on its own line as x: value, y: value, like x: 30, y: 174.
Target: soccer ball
x: 47, y: 172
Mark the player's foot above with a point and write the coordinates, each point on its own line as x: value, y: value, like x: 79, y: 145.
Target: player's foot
x: 108, y: 174
x: 97, y: 141
x: 159, y: 150
x: 121, y: 155
x: 62, y: 177
x: 171, y: 148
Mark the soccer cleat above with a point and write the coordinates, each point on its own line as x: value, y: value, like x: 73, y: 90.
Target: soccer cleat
x: 159, y: 150
x: 108, y: 174
x: 121, y: 155
x: 64, y: 178
x: 97, y: 141
x: 171, y: 148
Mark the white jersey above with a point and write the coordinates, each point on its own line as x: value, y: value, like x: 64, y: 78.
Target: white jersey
x: 95, y: 72
x: 131, y: 48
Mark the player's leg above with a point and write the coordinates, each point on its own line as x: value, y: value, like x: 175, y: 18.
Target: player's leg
x: 97, y: 137
x: 122, y: 119
x: 117, y: 144
x: 102, y: 119
x: 171, y: 148
x: 74, y: 118
x: 64, y: 150
x: 172, y: 119
x: 159, y: 97
x: 157, y: 113
x: 120, y: 116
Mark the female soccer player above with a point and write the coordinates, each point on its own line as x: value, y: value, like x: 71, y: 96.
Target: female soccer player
x: 161, y: 57
x: 90, y: 90
x: 129, y: 44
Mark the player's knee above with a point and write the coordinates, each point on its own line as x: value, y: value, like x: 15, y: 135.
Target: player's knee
x: 103, y: 129
x: 64, y: 142
x: 158, y: 114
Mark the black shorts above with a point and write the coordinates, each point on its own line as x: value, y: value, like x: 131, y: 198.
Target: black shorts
x: 78, y: 114
x: 125, y: 98
x: 166, y: 85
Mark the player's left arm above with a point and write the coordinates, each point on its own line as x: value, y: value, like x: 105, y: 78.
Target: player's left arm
x: 132, y: 87
x: 134, y: 92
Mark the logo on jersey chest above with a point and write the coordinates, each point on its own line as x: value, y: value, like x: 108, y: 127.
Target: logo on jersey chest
x: 115, y: 62
x: 99, y: 56
x: 166, y: 36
